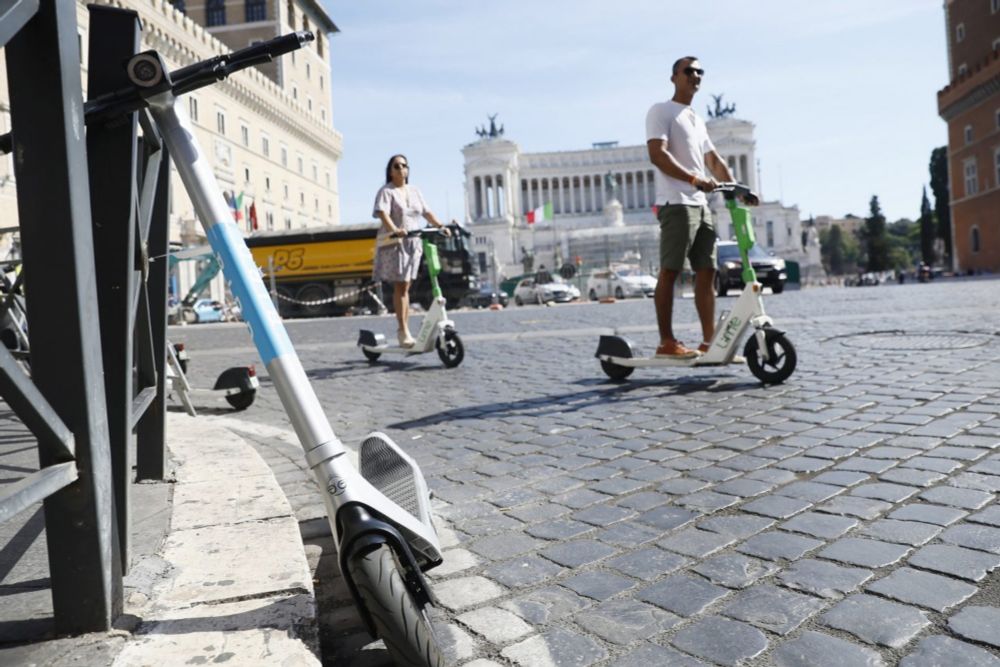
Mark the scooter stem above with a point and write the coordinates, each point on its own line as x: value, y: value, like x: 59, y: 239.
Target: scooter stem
x: 433, y: 265
x: 745, y: 238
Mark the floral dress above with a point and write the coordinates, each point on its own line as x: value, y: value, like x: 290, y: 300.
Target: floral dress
x: 399, y: 262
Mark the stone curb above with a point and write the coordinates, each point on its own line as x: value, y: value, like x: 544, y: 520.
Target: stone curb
x: 233, y: 584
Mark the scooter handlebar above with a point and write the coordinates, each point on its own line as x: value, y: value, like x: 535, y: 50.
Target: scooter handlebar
x: 738, y: 190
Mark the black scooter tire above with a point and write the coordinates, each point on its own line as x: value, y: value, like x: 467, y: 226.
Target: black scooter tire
x: 399, y: 621
x: 452, y: 351
x: 371, y: 356
x: 615, y: 371
x: 782, y: 357
x: 242, y: 400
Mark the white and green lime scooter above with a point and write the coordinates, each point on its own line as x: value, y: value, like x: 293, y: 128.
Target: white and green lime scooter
x: 436, y: 331
x: 769, y: 353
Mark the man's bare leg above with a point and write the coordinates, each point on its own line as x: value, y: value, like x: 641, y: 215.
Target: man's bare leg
x: 663, y: 298
x: 704, y: 302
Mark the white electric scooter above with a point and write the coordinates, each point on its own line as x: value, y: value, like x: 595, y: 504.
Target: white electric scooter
x: 769, y: 353
x: 436, y: 331
x: 380, y: 515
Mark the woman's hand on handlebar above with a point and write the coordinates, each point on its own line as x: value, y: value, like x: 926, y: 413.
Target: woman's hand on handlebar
x: 398, y: 233
x: 444, y: 231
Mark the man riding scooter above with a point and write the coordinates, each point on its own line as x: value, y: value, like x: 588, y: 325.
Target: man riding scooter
x: 686, y: 161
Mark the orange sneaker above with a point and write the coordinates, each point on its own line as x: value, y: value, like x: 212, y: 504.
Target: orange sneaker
x: 674, y: 349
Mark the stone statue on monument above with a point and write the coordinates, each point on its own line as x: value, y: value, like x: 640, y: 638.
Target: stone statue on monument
x: 721, y: 111
x: 611, y: 189
x: 527, y: 259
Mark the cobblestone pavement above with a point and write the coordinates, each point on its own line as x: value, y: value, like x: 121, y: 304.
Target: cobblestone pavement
x: 687, y: 516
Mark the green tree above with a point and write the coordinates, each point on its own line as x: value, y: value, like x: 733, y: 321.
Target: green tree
x: 836, y: 251
x: 875, y: 238
x: 927, y: 231
x: 942, y: 198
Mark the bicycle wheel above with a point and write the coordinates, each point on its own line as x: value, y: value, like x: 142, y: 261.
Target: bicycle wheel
x: 399, y: 621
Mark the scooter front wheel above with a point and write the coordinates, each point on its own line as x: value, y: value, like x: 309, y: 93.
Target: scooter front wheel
x: 400, y: 622
x: 450, y: 349
x: 615, y: 371
x: 781, y: 357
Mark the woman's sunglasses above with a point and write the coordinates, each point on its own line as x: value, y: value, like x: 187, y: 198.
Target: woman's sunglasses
x: 400, y: 166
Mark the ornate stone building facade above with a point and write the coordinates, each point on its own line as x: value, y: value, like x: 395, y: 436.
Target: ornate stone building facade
x: 269, y: 131
x: 602, y: 201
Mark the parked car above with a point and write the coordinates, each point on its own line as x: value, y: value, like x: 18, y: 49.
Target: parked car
x: 770, y: 270
x: 528, y: 291
x: 620, y: 284
x: 207, y: 310
x: 484, y: 298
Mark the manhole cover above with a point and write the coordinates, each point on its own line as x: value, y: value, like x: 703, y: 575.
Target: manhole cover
x: 899, y: 340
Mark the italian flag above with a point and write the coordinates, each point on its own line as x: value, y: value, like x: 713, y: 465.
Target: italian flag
x: 540, y: 213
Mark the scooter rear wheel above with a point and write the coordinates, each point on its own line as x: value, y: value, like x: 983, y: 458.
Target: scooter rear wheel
x: 242, y: 400
x: 400, y: 622
x: 781, y: 361
x: 371, y: 356
x: 450, y: 349
x: 616, y: 372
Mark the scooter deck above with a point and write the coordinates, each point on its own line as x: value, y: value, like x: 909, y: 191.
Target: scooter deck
x: 646, y: 362
x: 393, y: 349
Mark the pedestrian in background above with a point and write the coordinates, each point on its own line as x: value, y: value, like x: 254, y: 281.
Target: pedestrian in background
x: 400, y: 206
x: 686, y: 161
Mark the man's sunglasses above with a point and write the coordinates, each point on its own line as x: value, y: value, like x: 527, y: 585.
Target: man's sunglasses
x: 400, y: 166
x: 694, y: 70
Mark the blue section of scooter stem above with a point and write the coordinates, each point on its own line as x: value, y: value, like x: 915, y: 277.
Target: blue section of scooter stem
x: 243, y: 277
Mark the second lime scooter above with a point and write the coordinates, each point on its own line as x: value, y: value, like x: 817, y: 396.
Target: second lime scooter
x: 770, y: 355
x: 436, y: 331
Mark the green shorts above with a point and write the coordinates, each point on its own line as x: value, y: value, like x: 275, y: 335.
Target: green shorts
x: 686, y: 231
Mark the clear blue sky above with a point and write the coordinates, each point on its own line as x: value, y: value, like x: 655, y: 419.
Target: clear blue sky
x: 843, y: 94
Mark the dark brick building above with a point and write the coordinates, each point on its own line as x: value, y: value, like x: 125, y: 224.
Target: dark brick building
x: 970, y: 104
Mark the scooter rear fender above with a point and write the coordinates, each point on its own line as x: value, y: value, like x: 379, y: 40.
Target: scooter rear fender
x: 615, y: 346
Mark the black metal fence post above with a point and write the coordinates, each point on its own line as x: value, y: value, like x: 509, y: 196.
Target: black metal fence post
x: 54, y: 209
x: 111, y: 153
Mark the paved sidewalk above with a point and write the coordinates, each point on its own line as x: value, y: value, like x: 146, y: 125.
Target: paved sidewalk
x: 692, y: 516
x: 219, y: 576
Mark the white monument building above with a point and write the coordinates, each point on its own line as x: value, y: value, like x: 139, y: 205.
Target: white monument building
x: 601, y: 199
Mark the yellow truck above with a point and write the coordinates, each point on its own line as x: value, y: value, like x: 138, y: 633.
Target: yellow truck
x: 322, y: 271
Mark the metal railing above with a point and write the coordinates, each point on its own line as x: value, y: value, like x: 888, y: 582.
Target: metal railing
x: 92, y: 210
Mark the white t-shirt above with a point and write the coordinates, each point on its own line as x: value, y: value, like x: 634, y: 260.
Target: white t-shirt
x: 687, y: 140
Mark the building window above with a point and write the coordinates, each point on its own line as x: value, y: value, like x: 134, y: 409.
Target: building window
x: 288, y: 223
x: 246, y: 174
x: 996, y: 162
x: 971, y: 177
x: 193, y: 109
x: 960, y: 32
x: 286, y: 191
x: 267, y: 184
x: 284, y: 156
x: 967, y: 133
x: 309, y: 103
x: 315, y: 173
x: 215, y: 13
x: 256, y: 10
x: 305, y: 22
x: 321, y: 82
x: 319, y: 40
x: 302, y: 198
x: 301, y: 168
x: 291, y: 14
x: 245, y: 135
x: 328, y: 178
x: 316, y: 205
x: 295, y: 92
x: 220, y: 122
x: 322, y: 114
x: 770, y: 234
x: 308, y: 70
x: 974, y: 241
x: 270, y: 220
x: 265, y: 146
